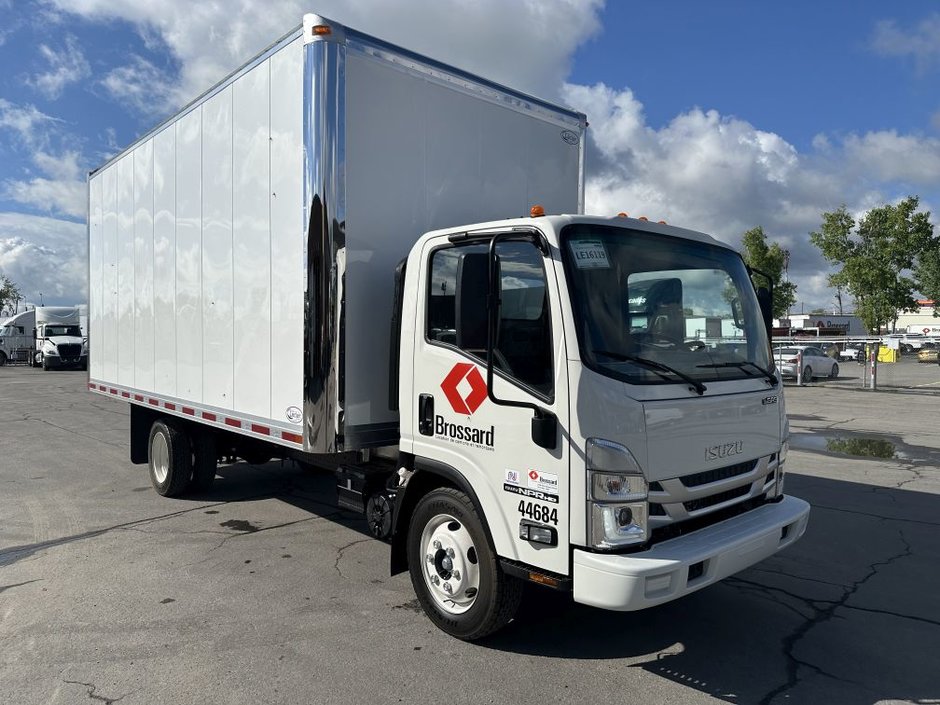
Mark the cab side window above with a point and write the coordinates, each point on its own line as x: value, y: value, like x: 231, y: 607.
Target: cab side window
x: 457, y: 314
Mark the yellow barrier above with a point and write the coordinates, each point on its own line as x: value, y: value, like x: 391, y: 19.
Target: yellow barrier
x: 886, y: 354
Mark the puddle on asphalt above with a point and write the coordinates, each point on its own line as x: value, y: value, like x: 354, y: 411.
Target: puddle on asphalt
x: 239, y: 525
x: 863, y: 447
x: 856, y: 446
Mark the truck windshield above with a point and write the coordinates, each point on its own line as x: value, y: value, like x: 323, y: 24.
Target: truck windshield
x: 73, y: 331
x: 687, y: 307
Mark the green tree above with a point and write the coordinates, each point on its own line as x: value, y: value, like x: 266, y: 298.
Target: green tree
x: 9, y: 293
x: 927, y: 274
x: 772, y: 260
x: 876, y: 257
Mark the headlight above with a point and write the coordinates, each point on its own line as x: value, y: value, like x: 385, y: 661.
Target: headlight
x: 617, y: 491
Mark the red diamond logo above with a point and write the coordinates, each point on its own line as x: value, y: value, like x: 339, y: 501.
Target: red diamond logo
x: 534, y: 474
x: 460, y: 372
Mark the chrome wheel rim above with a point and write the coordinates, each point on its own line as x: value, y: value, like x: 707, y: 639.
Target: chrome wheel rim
x: 160, y: 458
x: 451, y: 566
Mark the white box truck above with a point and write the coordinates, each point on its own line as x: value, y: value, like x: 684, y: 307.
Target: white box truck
x: 288, y: 268
x: 50, y: 337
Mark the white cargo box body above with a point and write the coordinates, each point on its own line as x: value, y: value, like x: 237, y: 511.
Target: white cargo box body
x: 242, y: 253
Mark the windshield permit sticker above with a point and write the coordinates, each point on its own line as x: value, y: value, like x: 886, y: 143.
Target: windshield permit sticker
x: 589, y: 254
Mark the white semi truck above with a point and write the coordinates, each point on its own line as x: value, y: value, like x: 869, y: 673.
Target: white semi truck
x: 50, y: 337
x: 512, y: 400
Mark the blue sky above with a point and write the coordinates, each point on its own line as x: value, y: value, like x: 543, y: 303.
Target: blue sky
x: 716, y: 116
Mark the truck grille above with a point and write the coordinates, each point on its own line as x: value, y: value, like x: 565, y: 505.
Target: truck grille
x: 706, y: 497
x: 70, y: 350
x: 709, y: 476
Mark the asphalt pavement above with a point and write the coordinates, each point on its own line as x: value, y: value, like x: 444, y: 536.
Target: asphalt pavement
x: 263, y: 591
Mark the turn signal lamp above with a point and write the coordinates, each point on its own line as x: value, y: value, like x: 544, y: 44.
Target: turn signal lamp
x: 536, y: 211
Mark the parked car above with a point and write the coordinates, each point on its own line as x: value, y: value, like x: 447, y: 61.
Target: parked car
x: 815, y: 362
x: 853, y: 351
x: 931, y: 354
x: 907, y: 342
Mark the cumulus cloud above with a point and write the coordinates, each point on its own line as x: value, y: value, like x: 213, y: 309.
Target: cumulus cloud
x: 66, y: 65
x: 723, y: 175
x: 487, y: 36
x: 59, y: 185
x: 44, y: 255
x: 921, y: 42
x: 30, y: 125
x: 141, y: 85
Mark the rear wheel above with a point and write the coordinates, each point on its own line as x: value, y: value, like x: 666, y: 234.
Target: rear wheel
x: 3, y: 359
x: 807, y: 374
x: 169, y: 458
x: 454, y: 570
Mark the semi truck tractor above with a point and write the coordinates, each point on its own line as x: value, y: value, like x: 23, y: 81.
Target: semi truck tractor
x: 341, y: 254
x: 50, y: 337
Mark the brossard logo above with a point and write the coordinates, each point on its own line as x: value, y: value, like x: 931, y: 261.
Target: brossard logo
x: 464, y: 403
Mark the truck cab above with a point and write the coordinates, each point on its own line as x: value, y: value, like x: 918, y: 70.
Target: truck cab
x: 60, y: 345
x: 547, y: 370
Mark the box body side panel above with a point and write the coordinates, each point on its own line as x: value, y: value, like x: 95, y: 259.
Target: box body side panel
x: 164, y: 262
x: 288, y: 269
x: 196, y: 248
x: 95, y: 270
x: 218, y: 378
x: 143, y: 267
x: 436, y: 155
x: 189, y: 256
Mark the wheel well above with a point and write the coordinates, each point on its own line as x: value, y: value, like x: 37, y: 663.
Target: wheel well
x: 428, y: 475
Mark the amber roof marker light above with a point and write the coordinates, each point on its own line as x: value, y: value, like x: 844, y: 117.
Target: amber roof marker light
x: 321, y: 29
x: 536, y: 211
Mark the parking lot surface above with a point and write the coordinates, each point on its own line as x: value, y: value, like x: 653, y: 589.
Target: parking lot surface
x: 262, y: 591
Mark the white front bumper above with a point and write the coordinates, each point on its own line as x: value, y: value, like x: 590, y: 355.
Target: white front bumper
x: 639, y: 580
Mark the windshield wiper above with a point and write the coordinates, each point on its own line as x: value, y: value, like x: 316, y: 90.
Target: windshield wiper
x: 769, y: 376
x: 656, y: 367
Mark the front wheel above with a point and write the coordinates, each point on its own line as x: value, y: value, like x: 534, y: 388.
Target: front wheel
x: 454, y: 570
x: 834, y: 372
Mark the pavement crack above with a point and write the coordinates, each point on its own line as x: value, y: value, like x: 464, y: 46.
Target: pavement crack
x: 93, y: 696
x: 881, y: 517
x: 899, y: 615
x: 15, y: 585
x: 821, y: 615
x: 15, y: 553
x: 341, y: 550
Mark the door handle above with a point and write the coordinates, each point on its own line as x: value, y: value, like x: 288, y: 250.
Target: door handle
x: 426, y: 414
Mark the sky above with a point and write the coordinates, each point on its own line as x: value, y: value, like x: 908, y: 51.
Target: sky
x: 716, y: 116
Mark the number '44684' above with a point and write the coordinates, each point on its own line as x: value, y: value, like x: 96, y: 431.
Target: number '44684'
x: 538, y: 512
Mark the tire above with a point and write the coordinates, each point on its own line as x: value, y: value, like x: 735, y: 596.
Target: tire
x: 205, y: 461
x: 807, y: 375
x: 834, y: 372
x: 169, y: 458
x: 45, y: 364
x: 3, y: 359
x: 484, y: 598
